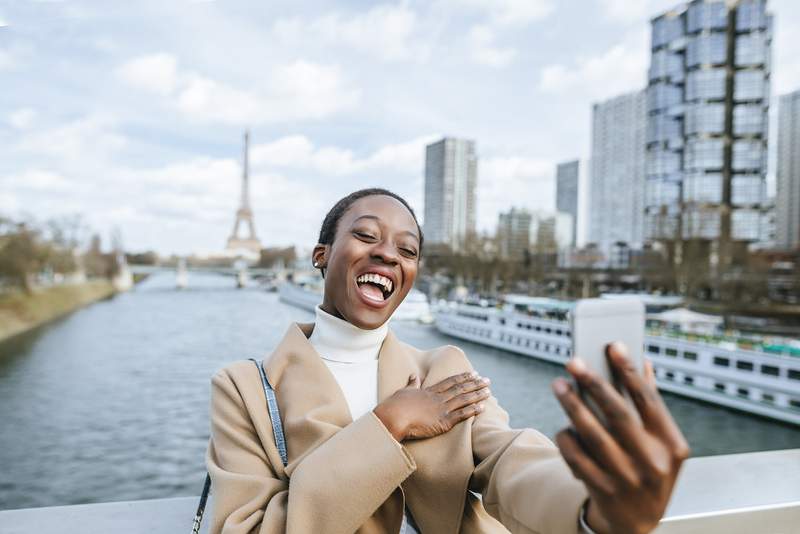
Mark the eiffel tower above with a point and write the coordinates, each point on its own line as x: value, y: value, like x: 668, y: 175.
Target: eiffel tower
x: 244, y: 215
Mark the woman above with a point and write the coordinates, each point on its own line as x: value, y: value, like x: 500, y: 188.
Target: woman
x: 386, y: 438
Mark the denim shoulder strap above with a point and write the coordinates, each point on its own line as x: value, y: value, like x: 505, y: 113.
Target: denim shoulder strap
x: 274, y: 413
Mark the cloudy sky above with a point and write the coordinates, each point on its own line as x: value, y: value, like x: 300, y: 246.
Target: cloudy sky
x: 132, y: 113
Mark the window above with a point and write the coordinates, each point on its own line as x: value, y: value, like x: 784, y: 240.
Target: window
x: 707, y: 84
x: 794, y: 374
x: 705, y: 154
x: 688, y: 380
x: 744, y: 366
x: 748, y: 119
x: 747, y: 189
x: 691, y: 356
x: 719, y: 386
x: 706, y: 118
x: 708, y: 49
x: 751, y: 49
x: 794, y: 403
x: 707, y: 15
x: 749, y: 85
x: 669, y: 375
x: 768, y: 398
x: 743, y: 392
x: 702, y: 187
x: 770, y: 370
x: 653, y: 349
x: 671, y: 352
x: 748, y: 155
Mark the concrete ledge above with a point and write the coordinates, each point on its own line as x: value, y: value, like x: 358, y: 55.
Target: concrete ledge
x: 738, y: 493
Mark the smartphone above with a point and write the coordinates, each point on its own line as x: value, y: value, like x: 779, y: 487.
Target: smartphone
x: 598, y: 322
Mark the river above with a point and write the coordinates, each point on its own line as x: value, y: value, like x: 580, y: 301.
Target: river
x: 111, y: 402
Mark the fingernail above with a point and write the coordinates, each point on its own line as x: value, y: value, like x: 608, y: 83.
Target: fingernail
x: 473, y: 374
x: 578, y: 364
x: 486, y: 380
x: 619, y: 348
x: 559, y: 386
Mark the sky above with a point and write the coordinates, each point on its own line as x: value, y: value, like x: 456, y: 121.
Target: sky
x: 132, y: 113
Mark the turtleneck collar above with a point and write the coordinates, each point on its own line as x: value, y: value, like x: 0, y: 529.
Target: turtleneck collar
x: 337, y: 340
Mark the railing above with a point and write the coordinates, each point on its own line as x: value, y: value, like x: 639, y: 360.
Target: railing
x: 738, y: 493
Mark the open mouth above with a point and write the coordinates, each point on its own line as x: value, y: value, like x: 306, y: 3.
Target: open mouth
x: 375, y: 287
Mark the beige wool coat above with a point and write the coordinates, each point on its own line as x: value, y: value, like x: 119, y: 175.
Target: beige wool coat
x: 347, y: 476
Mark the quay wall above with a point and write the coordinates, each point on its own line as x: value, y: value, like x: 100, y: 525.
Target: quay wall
x: 20, y: 312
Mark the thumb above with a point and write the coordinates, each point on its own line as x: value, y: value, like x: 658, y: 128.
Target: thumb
x: 413, y: 381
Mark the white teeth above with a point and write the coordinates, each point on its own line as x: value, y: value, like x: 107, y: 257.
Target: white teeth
x: 376, y: 278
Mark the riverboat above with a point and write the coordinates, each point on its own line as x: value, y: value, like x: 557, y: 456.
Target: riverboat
x: 308, y: 296
x: 756, y: 375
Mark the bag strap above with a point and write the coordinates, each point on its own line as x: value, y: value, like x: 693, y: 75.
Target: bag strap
x: 277, y: 432
x: 274, y: 413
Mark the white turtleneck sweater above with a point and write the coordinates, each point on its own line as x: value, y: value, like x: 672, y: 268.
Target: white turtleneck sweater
x: 351, y: 354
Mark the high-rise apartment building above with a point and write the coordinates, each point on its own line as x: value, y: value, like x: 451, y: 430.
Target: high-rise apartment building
x: 707, y: 102
x: 787, y: 201
x: 567, y: 192
x: 514, y: 234
x: 616, y: 191
x: 451, y: 175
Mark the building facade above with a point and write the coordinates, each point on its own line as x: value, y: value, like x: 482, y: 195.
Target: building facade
x: 514, y: 234
x: 567, y: 192
x: 707, y: 103
x: 451, y: 176
x: 787, y: 200
x: 616, y: 193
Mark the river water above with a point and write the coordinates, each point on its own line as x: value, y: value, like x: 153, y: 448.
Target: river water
x: 111, y: 402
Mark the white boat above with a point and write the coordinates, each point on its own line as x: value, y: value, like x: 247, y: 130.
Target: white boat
x: 754, y: 375
x: 181, y: 275
x: 309, y: 295
x: 414, y: 307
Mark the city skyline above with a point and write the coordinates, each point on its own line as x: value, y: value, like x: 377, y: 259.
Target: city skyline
x: 147, y: 138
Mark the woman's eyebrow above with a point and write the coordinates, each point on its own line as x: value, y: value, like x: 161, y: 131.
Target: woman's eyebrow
x: 376, y: 218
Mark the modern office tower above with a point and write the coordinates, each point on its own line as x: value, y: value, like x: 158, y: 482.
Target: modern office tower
x: 514, y: 234
x: 451, y: 175
x: 551, y: 232
x: 787, y: 201
x: 616, y: 192
x: 567, y: 192
x: 707, y: 102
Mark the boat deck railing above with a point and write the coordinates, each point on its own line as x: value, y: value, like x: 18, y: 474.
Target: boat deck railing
x: 738, y: 493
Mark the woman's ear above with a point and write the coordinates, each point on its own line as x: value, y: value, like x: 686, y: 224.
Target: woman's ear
x: 319, y: 257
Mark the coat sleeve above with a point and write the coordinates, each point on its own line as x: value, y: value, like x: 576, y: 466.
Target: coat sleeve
x: 524, y: 481
x: 334, y: 489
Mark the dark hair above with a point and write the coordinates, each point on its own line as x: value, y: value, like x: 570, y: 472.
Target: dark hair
x: 328, y: 230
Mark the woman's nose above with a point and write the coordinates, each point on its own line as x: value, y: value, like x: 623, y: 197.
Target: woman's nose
x: 386, y: 252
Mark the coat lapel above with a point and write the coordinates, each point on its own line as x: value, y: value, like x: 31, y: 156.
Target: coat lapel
x: 313, y: 409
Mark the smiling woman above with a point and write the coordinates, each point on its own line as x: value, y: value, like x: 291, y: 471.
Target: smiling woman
x: 381, y: 437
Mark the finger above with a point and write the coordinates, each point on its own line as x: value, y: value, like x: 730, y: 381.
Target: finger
x: 597, y: 440
x: 457, y: 416
x: 649, y: 373
x: 449, y: 382
x: 581, y: 464
x: 466, y: 387
x: 651, y: 407
x: 465, y: 399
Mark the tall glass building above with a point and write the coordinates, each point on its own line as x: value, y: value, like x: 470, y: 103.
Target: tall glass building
x: 567, y: 192
x: 451, y: 177
x: 706, y: 139
x: 787, y: 201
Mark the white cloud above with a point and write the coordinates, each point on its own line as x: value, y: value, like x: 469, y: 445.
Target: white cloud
x: 38, y: 180
x: 625, y: 10
x: 156, y: 73
x: 513, y: 181
x: 6, y: 60
x: 299, y: 152
x: 385, y: 31
x: 506, y: 12
x: 484, y: 50
x: 621, y: 68
x: 293, y: 91
x: 22, y: 119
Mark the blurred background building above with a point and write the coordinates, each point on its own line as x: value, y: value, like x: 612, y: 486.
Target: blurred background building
x: 707, y: 102
x: 787, y: 216
x: 451, y: 175
x: 567, y: 192
x: 616, y: 197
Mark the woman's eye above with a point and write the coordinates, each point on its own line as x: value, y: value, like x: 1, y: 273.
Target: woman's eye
x: 365, y: 235
x: 409, y: 252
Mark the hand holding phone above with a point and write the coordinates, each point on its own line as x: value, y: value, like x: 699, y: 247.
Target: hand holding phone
x: 622, y: 443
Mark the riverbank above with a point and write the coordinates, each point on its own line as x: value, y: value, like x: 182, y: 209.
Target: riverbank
x: 20, y: 312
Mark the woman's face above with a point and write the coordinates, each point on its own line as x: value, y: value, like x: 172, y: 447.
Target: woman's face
x: 372, y: 263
